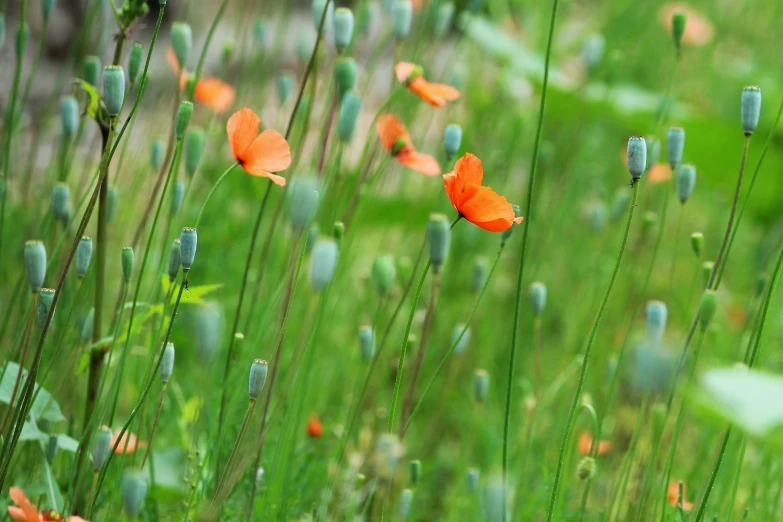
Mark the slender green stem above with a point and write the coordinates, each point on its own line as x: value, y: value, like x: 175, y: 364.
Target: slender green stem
x: 232, y: 456
x: 713, y: 474
x: 36, y: 62
x: 737, y: 475
x: 205, y: 48
x: 22, y: 357
x: 154, y: 424
x: 212, y: 191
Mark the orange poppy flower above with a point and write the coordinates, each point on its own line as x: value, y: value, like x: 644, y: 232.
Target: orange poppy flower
x: 585, y: 444
x: 212, y: 92
x: 395, y: 139
x: 673, y: 496
x: 314, y: 427
x: 659, y: 173
x: 128, y: 439
x: 26, y: 512
x: 259, y: 154
x: 482, y: 206
x: 436, y: 94
x: 698, y: 29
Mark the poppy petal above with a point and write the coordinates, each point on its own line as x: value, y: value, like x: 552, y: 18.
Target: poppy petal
x: 269, y: 152
x: 488, y: 210
x: 172, y: 60
x: 469, y: 168
x: 421, y: 163
x: 418, y: 86
x: 26, y: 507
x: 242, y: 129
x: 390, y: 129
x: 403, y: 70
x: 449, y: 184
x: 215, y: 94
x: 277, y: 180
x: 17, y: 514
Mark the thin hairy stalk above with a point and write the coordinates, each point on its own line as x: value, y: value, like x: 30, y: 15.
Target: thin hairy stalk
x: 232, y: 456
x: 205, y: 48
x: 215, y: 186
x: 154, y: 424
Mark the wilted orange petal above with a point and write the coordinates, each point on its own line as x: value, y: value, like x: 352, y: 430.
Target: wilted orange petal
x: 422, y: 163
x: 269, y: 152
x: 403, y: 70
x: 215, y: 94
x: 390, y: 130
x: 659, y: 173
x: 26, y: 507
x: 489, y: 210
x: 242, y: 129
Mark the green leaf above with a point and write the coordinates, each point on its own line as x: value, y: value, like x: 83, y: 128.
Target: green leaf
x: 44, y: 407
x: 95, y: 99
x: 195, y: 294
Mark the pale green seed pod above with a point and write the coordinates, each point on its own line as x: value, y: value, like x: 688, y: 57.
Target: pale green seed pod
x: 260, y: 32
x: 305, y: 45
x: 383, y: 274
x: 406, y: 500
x: 127, y: 263
x: 83, y: 256
x: 88, y: 327
x: 365, y: 18
x: 415, y: 471
x: 61, y: 197
x: 112, y: 200
x: 679, y: 21
x: 188, y: 240
x: 69, y: 115
x: 135, y: 57
x: 35, y: 264
x: 538, y: 298
x: 227, y: 50
x: 302, y: 201
x: 750, y: 109
x: 320, y: 11
x: 174, y: 260
x: 101, y: 447
x: 258, y: 372
x: 52, y: 445
x: 157, y: 151
x: 452, y: 140
x: 323, y: 262
x: 367, y: 343
x: 183, y: 118
x: 167, y: 363
x: 443, y: 19
x: 686, y: 182
x: 343, y: 28
x: 91, y: 70
x: 506, y: 234
x: 350, y: 105
x: 195, y: 139
x: 438, y: 240
x: 479, y: 276
x: 675, y: 145
x: 177, y: 196
x: 472, y: 479
x: 707, y: 308
x: 45, y: 300
x: 637, y: 156
x: 22, y: 36
x: 402, y: 18
x: 344, y: 75
x: 480, y: 385
x: 495, y: 505
x: 593, y: 51
x: 285, y: 83
x: 586, y: 468
x: 134, y: 490
x: 706, y: 271
x: 113, y: 89
x: 181, y: 37
x: 656, y: 320
x: 460, y: 340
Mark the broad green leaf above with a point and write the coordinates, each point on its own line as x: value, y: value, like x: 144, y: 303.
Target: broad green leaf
x: 194, y: 294
x: 95, y: 99
x: 44, y: 406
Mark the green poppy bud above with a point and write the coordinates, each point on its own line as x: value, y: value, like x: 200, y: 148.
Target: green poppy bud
x: 452, y: 140
x: 312, y: 235
x: 61, y: 196
x: 157, y: 151
x: 134, y: 489
x: 383, y: 274
x: 112, y: 199
x: 686, y: 181
x: 101, y: 447
x: 365, y: 18
x: 323, y: 262
x: 194, y: 149
x: 302, y: 201
x: 69, y: 115
x: 258, y: 371
x: 750, y: 109
x: 472, y: 479
x: 406, y: 500
x: 443, y: 18
x: 320, y: 11
x: 127, y: 263
x: 45, y: 300
x: 402, y: 18
x: 480, y: 385
x: 35, y: 264
x: 707, y: 308
x: 113, y: 89
x: 22, y: 35
x: 637, y: 156
x: 538, y: 298
x: 344, y: 75
x: 227, y: 51
x: 338, y: 232
x: 585, y: 470
x: 184, y: 113
x: 438, y: 240
x: 343, y: 28
x: 656, y: 320
x: 167, y: 363
x: 285, y: 83
x: 494, y: 503
x: 177, y: 196
x: 174, y: 260
x: 350, y: 105
x: 415, y: 471
x: 675, y: 144
x: 181, y: 38
x: 88, y: 327
x: 260, y: 32
x: 460, y: 338
x: 367, y: 343
x: 135, y: 56
x: 679, y: 20
x: 91, y: 70
x: 51, y: 448
x: 506, y: 234
x: 188, y: 241
x: 706, y: 271
x: 83, y: 256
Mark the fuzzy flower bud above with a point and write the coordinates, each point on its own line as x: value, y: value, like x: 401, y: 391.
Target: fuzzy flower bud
x: 174, y: 260
x: 443, y: 18
x: 320, y: 11
x: 383, y: 274
x: 101, y: 446
x: 472, y: 479
x: 181, y: 37
x: 303, y: 200
x: 258, y: 371
x: 343, y: 28
x: 367, y: 343
x: 45, y: 300
x: 686, y: 182
x: 35, y: 264
x: 177, y: 196
x: 706, y: 271
x: 69, y: 115
x: 91, y: 70
x: 285, y: 83
x: 460, y: 338
x: 156, y: 154
x: 167, y: 363
x: 656, y: 320
x: 188, y: 240
x: 480, y: 385
x: 452, y: 140
x: 135, y: 57
x: 697, y: 243
x: 350, y: 105
x: 83, y: 256
x: 184, y: 113
x: 637, y: 156
x: 134, y: 490
x: 585, y: 470
x: 707, y: 308
x: 344, y: 75
x: 61, y: 195
x: 679, y: 20
x: 675, y: 145
x: 402, y: 18
x: 323, y: 262
x: 479, y: 277
x: 113, y: 89
x: 194, y: 149
x: 538, y: 298
x: 406, y: 499
x: 750, y: 109
x: 127, y: 263
x: 438, y: 240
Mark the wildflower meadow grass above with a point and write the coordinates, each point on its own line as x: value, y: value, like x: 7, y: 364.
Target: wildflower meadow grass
x: 366, y: 260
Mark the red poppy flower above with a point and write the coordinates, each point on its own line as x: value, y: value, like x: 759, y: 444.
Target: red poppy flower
x: 212, y: 92
x: 258, y: 154
x: 128, y: 439
x: 585, y: 444
x: 673, y: 496
x: 397, y: 141
x: 314, y: 427
x: 482, y: 206
x: 26, y: 512
x: 436, y: 94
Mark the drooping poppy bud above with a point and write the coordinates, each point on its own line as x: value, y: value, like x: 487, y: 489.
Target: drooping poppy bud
x: 174, y: 260
x: 443, y: 18
x: 302, y: 201
x: 83, y: 256
x: 686, y: 182
x: 320, y: 10
x: 656, y: 320
x: 156, y: 153
x: 750, y: 109
x: 323, y: 262
x: 167, y: 363
x: 91, y: 70
x: 260, y: 32
x: 479, y: 277
x: 675, y: 144
x: 367, y: 343
x: 707, y: 308
x: 636, y: 156
x: 452, y: 140
x: 184, y: 113
x: 88, y: 327
x: 194, y: 149
x: 127, y: 263
x: 45, y: 300
x: 35, y: 264
x: 113, y: 89
x: 135, y: 57
x: 285, y: 83
x: 697, y: 243
x: 177, y: 196
x: 415, y: 471
x: 460, y: 338
x: 344, y: 75
x: 350, y: 105
x: 406, y: 500
x: 47, y: 6
x: 538, y: 298
x: 480, y: 385
x: 472, y: 479
x: 585, y: 470
x: 365, y: 18
x: 438, y: 240
x: 343, y: 28
x: 181, y: 37
x: 258, y: 372
x: 402, y: 18
x: 383, y: 274
x: 61, y: 196
x: 69, y: 115
x: 305, y: 45
x: 134, y: 490
x: 101, y: 447
x: 188, y: 240
x: 706, y: 271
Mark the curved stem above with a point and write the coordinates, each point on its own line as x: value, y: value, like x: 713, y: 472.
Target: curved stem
x: 207, y: 42
x: 212, y: 191
x: 232, y: 456
x: 25, y: 346
x: 154, y: 424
